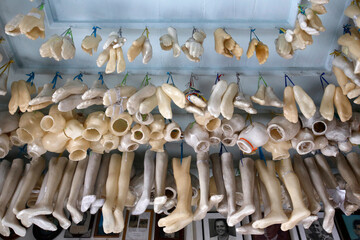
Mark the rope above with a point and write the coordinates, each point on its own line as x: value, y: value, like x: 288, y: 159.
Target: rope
x: 123, y: 82
x: 101, y: 77
x: 54, y: 81
x: 79, y: 76
x: 31, y: 78
x: 288, y: 78
x: 170, y: 77
x: 322, y: 80
x: 261, y: 78
x: 94, y: 30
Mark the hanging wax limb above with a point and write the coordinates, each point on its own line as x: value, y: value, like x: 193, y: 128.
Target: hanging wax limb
x: 313, y: 170
x: 100, y: 184
x: 10, y: 219
x: 292, y: 184
x: 4, y: 169
x: 306, y: 184
x: 222, y: 207
x: 11, y: 181
x: 353, y: 159
x: 123, y: 187
x: 77, y: 183
x: 149, y: 175
x: 272, y: 185
x: 227, y: 167
x: 160, y: 178
x: 63, y: 193
x: 347, y: 173
x: 206, y: 201
x: 248, y: 228
x: 182, y: 215
x: 89, y: 182
x: 45, y: 205
x: 36, y: 167
x: 247, y: 172
x: 111, y: 193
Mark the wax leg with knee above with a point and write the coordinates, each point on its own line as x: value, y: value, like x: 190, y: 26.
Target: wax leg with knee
x: 36, y: 167
x: 315, y: 176
x: 4, y: 169
x: 111, y: 193
x: 222, y: 207
x: 149, y: 175
x: 292, y: 184
x: 89, y: 182
x: 325, y: 171
x: 11, y: 181
x: 76, y: 184
x: 247, y: 172
x: 100, y: 184
x: 205, y: 203
x: 306, y: 184
x: 63, y: 193
x: 248, y: 228
x: 123, y: 187
x: 10, y: 219
x: 227, y: 167
x: 272, y: 185
x: 160, y: 178
x: 182, y: 215
x: 354, y: 161
x: 347, y: 173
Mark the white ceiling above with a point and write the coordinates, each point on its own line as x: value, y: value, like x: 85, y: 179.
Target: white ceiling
x: 236, y: 16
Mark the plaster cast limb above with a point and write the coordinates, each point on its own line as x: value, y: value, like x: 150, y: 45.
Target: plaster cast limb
x: 247, y: 172
x: 342, y: 105
x: 11, y: 181
x: 219, y: 181
x: 176, y: 95
x: 44, y: 204
x: 232, y: 126
x: 206, y: 202
x: 160, y: 178
x: 76, y: 184
x: 208, y: 121
x: 123, y: 187
x: 304, y: 101
x: 182, y: 215
x: 36, y: 167
x: 327, y: 103
x: 252, y: 137
x: 248, y: 228
x: 272, y: 185
x: 111, y: 193
x: 63, y: 193
x: 214, y: 102
x: 279, y: 150
x: 308, y: 221
x: 313, y: 170
x: 354, y: 162
x: 227, y: 101
x: 134, y: 101
x: 303, y: 142
x: 10, y: 220
x: 325, y: 171
x: 348, y: 175
x: 227, y: 167
x: 89, y: 183
x: 4, y: 170
x: 280, y: 129
x: 288, y: 177
x: 164, y: 103
x: 149, y: 175
x: 306, y: 184
x: 100, y: 184
x: 197, y: 137
x: 9, y: 122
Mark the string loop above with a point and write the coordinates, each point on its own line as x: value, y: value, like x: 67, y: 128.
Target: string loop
x: 101, y: 78
x: 31, y: 78
x: 346, y: 29
x: 261, y: 79
x: 322, y: 80
x: 146, y: 80
x: 123, y: 82
x: 288, y: 78
x: 218, y: 76
x: 261, y: 154
x: 170, y: 77
x: 252, y: 31
x: 79, y: 76
x: 54, y: 81
x: 94, y: 30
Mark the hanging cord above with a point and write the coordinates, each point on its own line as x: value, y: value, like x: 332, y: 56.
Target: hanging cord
x: 94, y: 30
x: 68, y: 32
x: 194, y: 30
x: 147, y: 32
x: 222, y: 146
x: 6, y: 66
x: 241, y: 157
x: 191, y: 83
x: 22, y: 151
x: 282, y: 30
x: 301, y: 9
x: 31, y: 78
x: 288, y: 78
x: 146, y: 80
x: 218, y: 76
x: 41, y: 6
x: 252, y: 31
x: 335, y: 53
x: 79, y: 76
x: 322, y: 80
x: 170, y: 77
x: 123, y: 82
x: 261, y: 79
x: 54, y: 81
x: 346, y: 29
x: 248, y: 117
x: 262, y: 157
x: 120, y: 32
x: 101, y: 77
x: 355, y: 2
